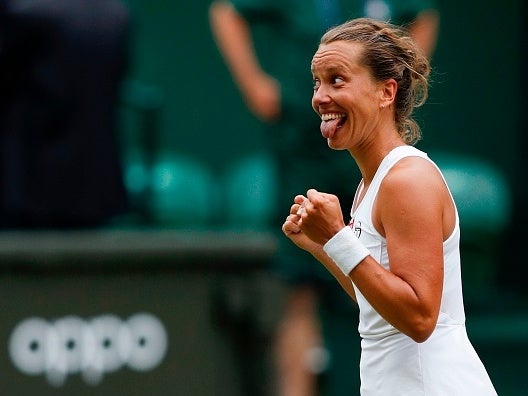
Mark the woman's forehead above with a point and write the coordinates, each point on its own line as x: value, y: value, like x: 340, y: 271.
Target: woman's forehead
x: 337, y: 54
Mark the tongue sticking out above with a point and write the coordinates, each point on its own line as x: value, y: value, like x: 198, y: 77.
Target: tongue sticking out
x: 329, y: 127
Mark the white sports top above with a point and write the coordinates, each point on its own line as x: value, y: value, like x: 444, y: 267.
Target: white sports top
x: 391, y: 362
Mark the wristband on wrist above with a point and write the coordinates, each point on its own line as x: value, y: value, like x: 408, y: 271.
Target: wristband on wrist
x: 346, y: 250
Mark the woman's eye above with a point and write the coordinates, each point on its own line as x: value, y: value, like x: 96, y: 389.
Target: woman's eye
x: 338, y: 80
x: 316, y: 84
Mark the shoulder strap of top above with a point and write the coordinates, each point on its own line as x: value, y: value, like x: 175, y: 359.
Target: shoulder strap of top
x: 390, y: 160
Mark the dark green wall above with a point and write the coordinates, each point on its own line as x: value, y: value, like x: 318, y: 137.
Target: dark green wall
x: 474, y: 103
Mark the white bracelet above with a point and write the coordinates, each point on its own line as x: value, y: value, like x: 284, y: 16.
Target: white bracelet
x: 346, y: 250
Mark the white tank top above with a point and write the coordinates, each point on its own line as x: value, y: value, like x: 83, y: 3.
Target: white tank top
x: 371, y: 324
x: 392, y: 363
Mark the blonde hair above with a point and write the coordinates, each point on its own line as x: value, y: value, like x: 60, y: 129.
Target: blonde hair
x: 390, y: 53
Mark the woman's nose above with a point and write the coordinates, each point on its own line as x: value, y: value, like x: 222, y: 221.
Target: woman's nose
x: 320, y: 96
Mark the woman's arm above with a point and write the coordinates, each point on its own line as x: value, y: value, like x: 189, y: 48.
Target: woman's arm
x: 410, y: 211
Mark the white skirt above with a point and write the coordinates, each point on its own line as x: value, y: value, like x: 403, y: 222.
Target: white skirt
x: 445, y: 364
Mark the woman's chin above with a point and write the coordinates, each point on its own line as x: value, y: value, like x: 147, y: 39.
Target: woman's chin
x: 334, y: 145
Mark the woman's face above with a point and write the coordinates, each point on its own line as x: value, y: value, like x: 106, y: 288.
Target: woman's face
x: 346, y: 96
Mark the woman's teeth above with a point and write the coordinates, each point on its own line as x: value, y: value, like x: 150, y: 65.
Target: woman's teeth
x: 331, y: 116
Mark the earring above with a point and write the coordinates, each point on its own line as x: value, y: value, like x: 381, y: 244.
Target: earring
x: 382, y: 106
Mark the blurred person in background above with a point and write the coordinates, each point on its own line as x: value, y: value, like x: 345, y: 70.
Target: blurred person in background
x: 61, y: 65
x: 267, y: 46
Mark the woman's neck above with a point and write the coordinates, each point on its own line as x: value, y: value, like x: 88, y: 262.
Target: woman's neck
x: 368, y: 159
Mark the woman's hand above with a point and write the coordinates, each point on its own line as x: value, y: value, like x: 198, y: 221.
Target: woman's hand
x: 313, y: 220
x: 291, y: 227
x: 320, y: 216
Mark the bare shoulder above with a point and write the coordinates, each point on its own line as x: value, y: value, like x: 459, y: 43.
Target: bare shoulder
x: 414, y: 192
x: 413, y: 174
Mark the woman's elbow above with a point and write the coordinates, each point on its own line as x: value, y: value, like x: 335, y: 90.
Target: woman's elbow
x: 421, y: 329
x: 420, y: 337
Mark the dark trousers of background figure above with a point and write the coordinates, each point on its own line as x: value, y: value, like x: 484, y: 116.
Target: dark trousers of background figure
x: 61, y: 64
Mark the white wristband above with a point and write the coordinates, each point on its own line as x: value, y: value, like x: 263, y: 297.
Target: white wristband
x: 346, y: 250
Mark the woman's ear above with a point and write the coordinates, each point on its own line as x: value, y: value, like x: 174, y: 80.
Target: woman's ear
x: 388, y: 92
